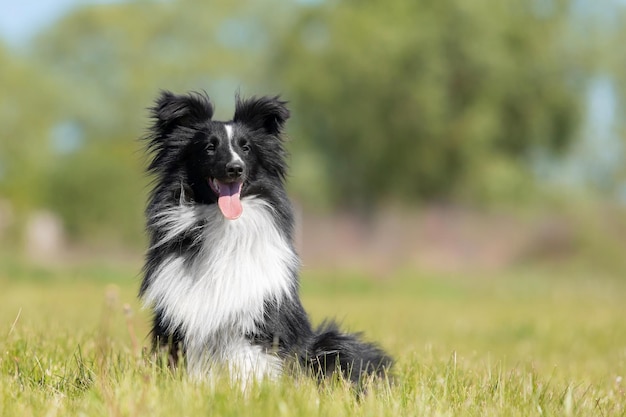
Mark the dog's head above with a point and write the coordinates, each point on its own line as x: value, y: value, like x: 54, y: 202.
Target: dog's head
x: 214, y: 161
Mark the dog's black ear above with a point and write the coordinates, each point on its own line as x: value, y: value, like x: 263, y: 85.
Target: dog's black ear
x: 267, y: 113
x: 174, y: 110
x: 171, y: 111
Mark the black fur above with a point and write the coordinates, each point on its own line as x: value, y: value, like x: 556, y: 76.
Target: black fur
x: 184, y: 144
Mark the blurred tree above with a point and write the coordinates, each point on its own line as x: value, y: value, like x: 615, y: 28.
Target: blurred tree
x: 111, y: 61
x: 99, y: 193
x: 125, y: 53
x: 617, y: 59
x: 28, y: 112
x: 421, y: 99
x: 393, y: 101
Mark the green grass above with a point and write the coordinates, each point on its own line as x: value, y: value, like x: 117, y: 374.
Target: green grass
x: 525, y: 343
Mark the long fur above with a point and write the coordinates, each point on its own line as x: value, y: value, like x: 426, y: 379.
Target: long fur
x: 224, y: 289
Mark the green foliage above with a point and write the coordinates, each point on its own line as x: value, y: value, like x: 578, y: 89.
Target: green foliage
x: 409, y: 100
x: 28, y: 111
x: 124, y: 55
x: 99, y: 194
x: 107, y: 64
x: 396, y: 101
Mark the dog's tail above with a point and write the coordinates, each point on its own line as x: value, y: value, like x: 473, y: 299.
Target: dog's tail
x: 331, y: 350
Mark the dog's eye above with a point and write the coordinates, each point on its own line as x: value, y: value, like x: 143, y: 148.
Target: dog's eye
x: 243, y: 144
x: 212, y: 146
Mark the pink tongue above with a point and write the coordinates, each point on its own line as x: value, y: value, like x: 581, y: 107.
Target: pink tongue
x: 228, y: 201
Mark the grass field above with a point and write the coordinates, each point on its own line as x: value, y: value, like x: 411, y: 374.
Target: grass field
x: 529, y: 342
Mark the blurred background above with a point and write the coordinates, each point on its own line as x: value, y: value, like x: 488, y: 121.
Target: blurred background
x: 451, y: 136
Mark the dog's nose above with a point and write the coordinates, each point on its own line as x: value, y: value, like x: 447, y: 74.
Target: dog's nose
x: 234, y: 169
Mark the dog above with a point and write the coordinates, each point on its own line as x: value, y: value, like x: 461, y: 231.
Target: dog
x: 221, y: 271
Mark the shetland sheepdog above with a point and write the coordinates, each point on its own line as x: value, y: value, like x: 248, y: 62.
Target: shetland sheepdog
x: 221, y: 271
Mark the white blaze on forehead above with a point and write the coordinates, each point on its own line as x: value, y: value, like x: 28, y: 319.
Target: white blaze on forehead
x: 229, y: 136
x: 229, y: 132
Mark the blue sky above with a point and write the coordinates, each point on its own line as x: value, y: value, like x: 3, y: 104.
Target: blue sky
x: 21, y: 19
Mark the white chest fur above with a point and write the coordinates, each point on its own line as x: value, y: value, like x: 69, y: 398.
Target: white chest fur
x: 219, y: 295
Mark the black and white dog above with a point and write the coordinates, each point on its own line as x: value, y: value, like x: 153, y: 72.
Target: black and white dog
x: 221, y: 271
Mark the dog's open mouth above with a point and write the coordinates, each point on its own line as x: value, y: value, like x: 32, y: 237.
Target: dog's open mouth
x: 228, y: 197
